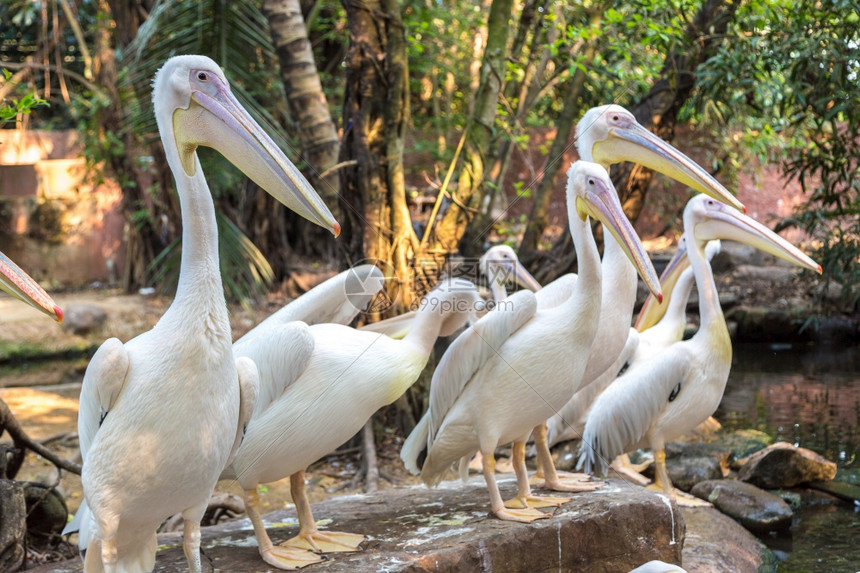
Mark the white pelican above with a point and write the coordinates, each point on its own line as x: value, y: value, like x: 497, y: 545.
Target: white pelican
x: 333, y: 382
x: 680, y: 386
x: 21, y: 286
x: 659, y: 325
x: 610, y: 134
x: 160, y: 414
x: 510, y: 370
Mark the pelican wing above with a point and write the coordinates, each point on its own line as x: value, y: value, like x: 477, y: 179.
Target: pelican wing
x: 556, y: 292
x: 281, y: 356
x: 249, y: 389
x: 337, y: 300
x: 471, y: 350
x: 103, y: 381
x: 624, y: 413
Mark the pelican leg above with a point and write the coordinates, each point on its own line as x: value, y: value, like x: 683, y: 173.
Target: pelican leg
x: 553, y: 480
x: 663, y: 484
x: 280, y: 557
x: 630, y: 472
x: 524, y: 496
x: 110, y: 558
x: 191, y: 545
x: 496, y: 504
x: 502, y: 467
x: 309, y: 536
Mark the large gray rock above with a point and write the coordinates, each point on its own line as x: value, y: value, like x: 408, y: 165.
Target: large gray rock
x: 83, y: 318
x: 783, y: 465
x: 715, y: 543
x: 449, y: 529
x: 13, y: 510
x: 754, y: 508
x: 687, y: 471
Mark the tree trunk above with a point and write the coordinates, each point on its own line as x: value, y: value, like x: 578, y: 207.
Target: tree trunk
x: 308, y: 104
x: 479, y: 129
x: 539, y: 215
x: 378, y: 225
x: 657, y: 111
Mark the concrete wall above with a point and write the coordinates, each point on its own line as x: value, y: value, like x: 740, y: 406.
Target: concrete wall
x: 56, y: 221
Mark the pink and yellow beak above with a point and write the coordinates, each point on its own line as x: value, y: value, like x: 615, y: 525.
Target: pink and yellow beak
x: 652, y: 311
x: 723, y: 223
x: 20, y: 285
x: 216, y: 119
x: 597, y: 198
x: 636, y: 144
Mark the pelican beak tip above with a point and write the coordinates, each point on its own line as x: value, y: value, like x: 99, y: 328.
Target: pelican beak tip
x: 336, y: 229
x: 820, y: 270
x: 59, y: 312
x: 660, y: 298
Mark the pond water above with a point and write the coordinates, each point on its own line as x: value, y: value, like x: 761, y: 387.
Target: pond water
x: 808, y: 396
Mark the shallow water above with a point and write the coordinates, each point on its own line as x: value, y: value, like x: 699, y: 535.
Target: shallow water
x: 808, y: 396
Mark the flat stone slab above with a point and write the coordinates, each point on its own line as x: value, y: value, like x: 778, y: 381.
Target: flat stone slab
x: 450, y: 529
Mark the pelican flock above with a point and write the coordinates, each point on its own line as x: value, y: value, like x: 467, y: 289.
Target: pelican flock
x: 167, y: 414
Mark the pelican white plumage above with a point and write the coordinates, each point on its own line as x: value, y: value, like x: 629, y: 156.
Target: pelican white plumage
x: 680, y: 386
x: 659, y: 325
x: 160, y: 415
x: 344, y: 376
x: 499, y: 379
x: 610, y: 134
x: 20, y: 285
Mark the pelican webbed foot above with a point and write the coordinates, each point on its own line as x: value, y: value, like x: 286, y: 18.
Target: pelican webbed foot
x: 289, y: 558
x: 629, y: 471
x: 569, y: 482
x: 326, y: 541
x: 535, y: 501
x: 683, y: 499
x: 522, y: 515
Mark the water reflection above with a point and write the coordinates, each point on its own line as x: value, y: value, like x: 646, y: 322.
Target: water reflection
x: 806, y: 395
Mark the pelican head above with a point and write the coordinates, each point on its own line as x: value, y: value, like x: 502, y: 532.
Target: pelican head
x: 610, y: 134
x: 712, y: 220
x: 500, y: 265
x: 596, y: 197
x: 193, y: 102
x: 19, y: 284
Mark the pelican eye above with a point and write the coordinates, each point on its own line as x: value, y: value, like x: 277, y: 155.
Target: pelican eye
x: 614, y: 118
x: 202, y: 76
x: 591, y: 181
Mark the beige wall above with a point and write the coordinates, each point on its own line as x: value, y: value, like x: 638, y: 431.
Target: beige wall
x: 55, y: 221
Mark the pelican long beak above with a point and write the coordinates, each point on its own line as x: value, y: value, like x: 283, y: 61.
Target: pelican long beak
x: 638, y: 145
x: 19, y: 284
x: 652, y: 311
x: 602, y: 204
x: 724, y: 223
x: 244, y: 143
x: 524, y: 278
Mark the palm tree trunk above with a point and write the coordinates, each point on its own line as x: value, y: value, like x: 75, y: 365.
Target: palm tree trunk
x: 308, y: 104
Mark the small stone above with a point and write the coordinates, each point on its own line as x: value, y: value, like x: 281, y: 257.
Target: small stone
x: 686, y: 472
x: 47, y: 513
x: 83, y: 318
x: 754, y: 508
x: 783, y: 465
